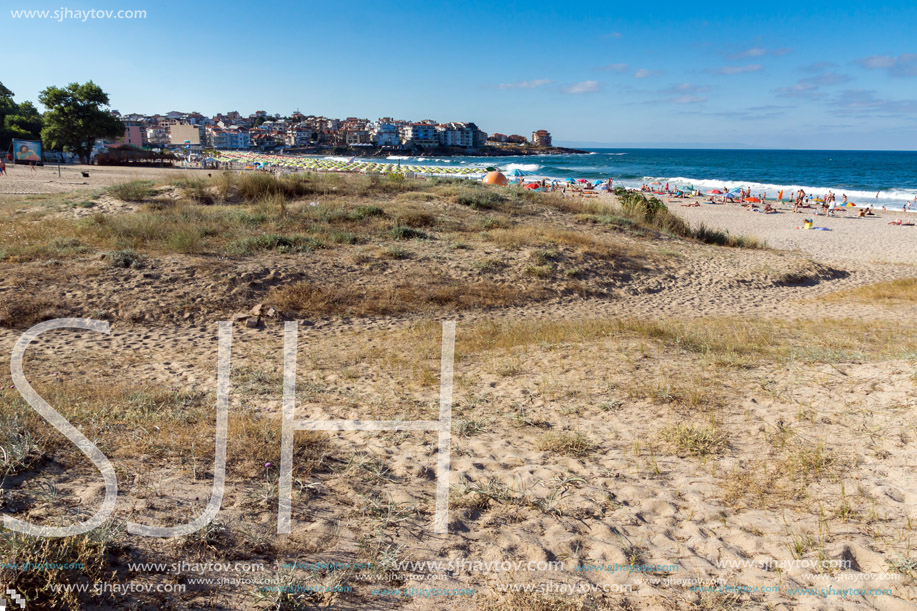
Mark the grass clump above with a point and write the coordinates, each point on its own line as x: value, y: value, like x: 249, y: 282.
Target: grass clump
x: 399, y: 232
x: 274, y: 242
x: 196, y: 189
x: 395, y: 252
x: 479, y: 199
x: 903, y: 290
x: 18, y: 449
x: 650, y: 212
x: 256, y: 186
x: 365, y: 212
x: 26, y: 310
x: 691, y: 440
x: 133, y: 191
x: 89, y: 552
x: 126, y: 259
x: 566, y: 443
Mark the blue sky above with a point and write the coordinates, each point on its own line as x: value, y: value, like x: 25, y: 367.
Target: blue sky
x: 774, y: 75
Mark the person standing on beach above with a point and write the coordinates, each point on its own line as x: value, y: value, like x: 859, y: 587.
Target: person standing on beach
x: 2, y: 167
x: 800, y: 195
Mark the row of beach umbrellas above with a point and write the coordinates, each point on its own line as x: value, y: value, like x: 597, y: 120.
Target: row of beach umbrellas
x: 338, y: 165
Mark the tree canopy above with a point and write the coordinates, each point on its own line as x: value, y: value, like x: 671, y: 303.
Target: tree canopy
x: 21, y: 121
x: 77, y: 115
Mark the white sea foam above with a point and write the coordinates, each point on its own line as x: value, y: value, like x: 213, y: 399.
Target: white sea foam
x: 866, y: 197
x: 398, y: 157
x: 525, y: 167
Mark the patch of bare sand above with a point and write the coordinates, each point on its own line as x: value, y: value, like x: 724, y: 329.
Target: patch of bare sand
x: 849, y: 239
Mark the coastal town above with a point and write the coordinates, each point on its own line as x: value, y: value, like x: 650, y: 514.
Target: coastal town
x: 302, y: 133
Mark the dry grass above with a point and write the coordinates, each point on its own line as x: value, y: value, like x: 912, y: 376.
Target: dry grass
x: 566, y: 443
x: 894, y: 292
x: 696, y: 440
x: 728, y: 341
x: 90, y: 550
x: 24, y: 310
x: 313, y: 299
x: 787, y: 479
x: 536, y: 601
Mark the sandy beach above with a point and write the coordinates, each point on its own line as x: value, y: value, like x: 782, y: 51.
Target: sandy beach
x: 863, y: 240
x: 700, y: 426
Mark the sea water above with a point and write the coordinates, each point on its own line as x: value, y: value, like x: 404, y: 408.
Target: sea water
x: 879, y: 178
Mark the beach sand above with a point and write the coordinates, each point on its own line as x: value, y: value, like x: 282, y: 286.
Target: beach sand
x: 864, y: 240
x: 713, y: 411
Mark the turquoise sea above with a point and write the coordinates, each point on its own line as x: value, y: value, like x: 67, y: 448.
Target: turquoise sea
x: 861, y: 175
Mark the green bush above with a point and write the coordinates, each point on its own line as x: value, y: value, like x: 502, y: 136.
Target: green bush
x: 133, y: 191
x: 479, y: 199
x: 407, y: 233
x: 257, y: 186
x: 125, y: 258
x: 363, y: 212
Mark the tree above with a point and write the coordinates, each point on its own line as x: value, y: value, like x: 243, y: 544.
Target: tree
x: 77, y: 116
x: 21, y: 121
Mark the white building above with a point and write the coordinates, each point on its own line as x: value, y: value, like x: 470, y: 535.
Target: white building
x: 232, y: 139
x: 299, y: 136
x: 455, y: 134
x: 419, y: 134
x: 157, y: 136
x: 385, y: 134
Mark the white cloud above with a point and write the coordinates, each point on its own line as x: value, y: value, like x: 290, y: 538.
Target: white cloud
x: 759, y: 52
x: 684, y: 88
x: 799, y: 90
x: 901, y: 65
x: 862, y: 101
x: 532, y: 84
x: 740, y: 69
x: 689, y: 99
x: 828, y: 78
x: 583, y: 87
x: 642, y: 73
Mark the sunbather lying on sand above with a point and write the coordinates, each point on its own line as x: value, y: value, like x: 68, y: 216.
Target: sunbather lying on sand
x: 900, y: 222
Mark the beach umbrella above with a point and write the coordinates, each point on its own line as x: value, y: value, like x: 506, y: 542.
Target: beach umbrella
x: 518, y: 172
x: 532, y: 185
x: 597, y: 182
x: 570, y: 180
x: 715, y: 192
x: 754, y: 200
x: 581, y: 180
